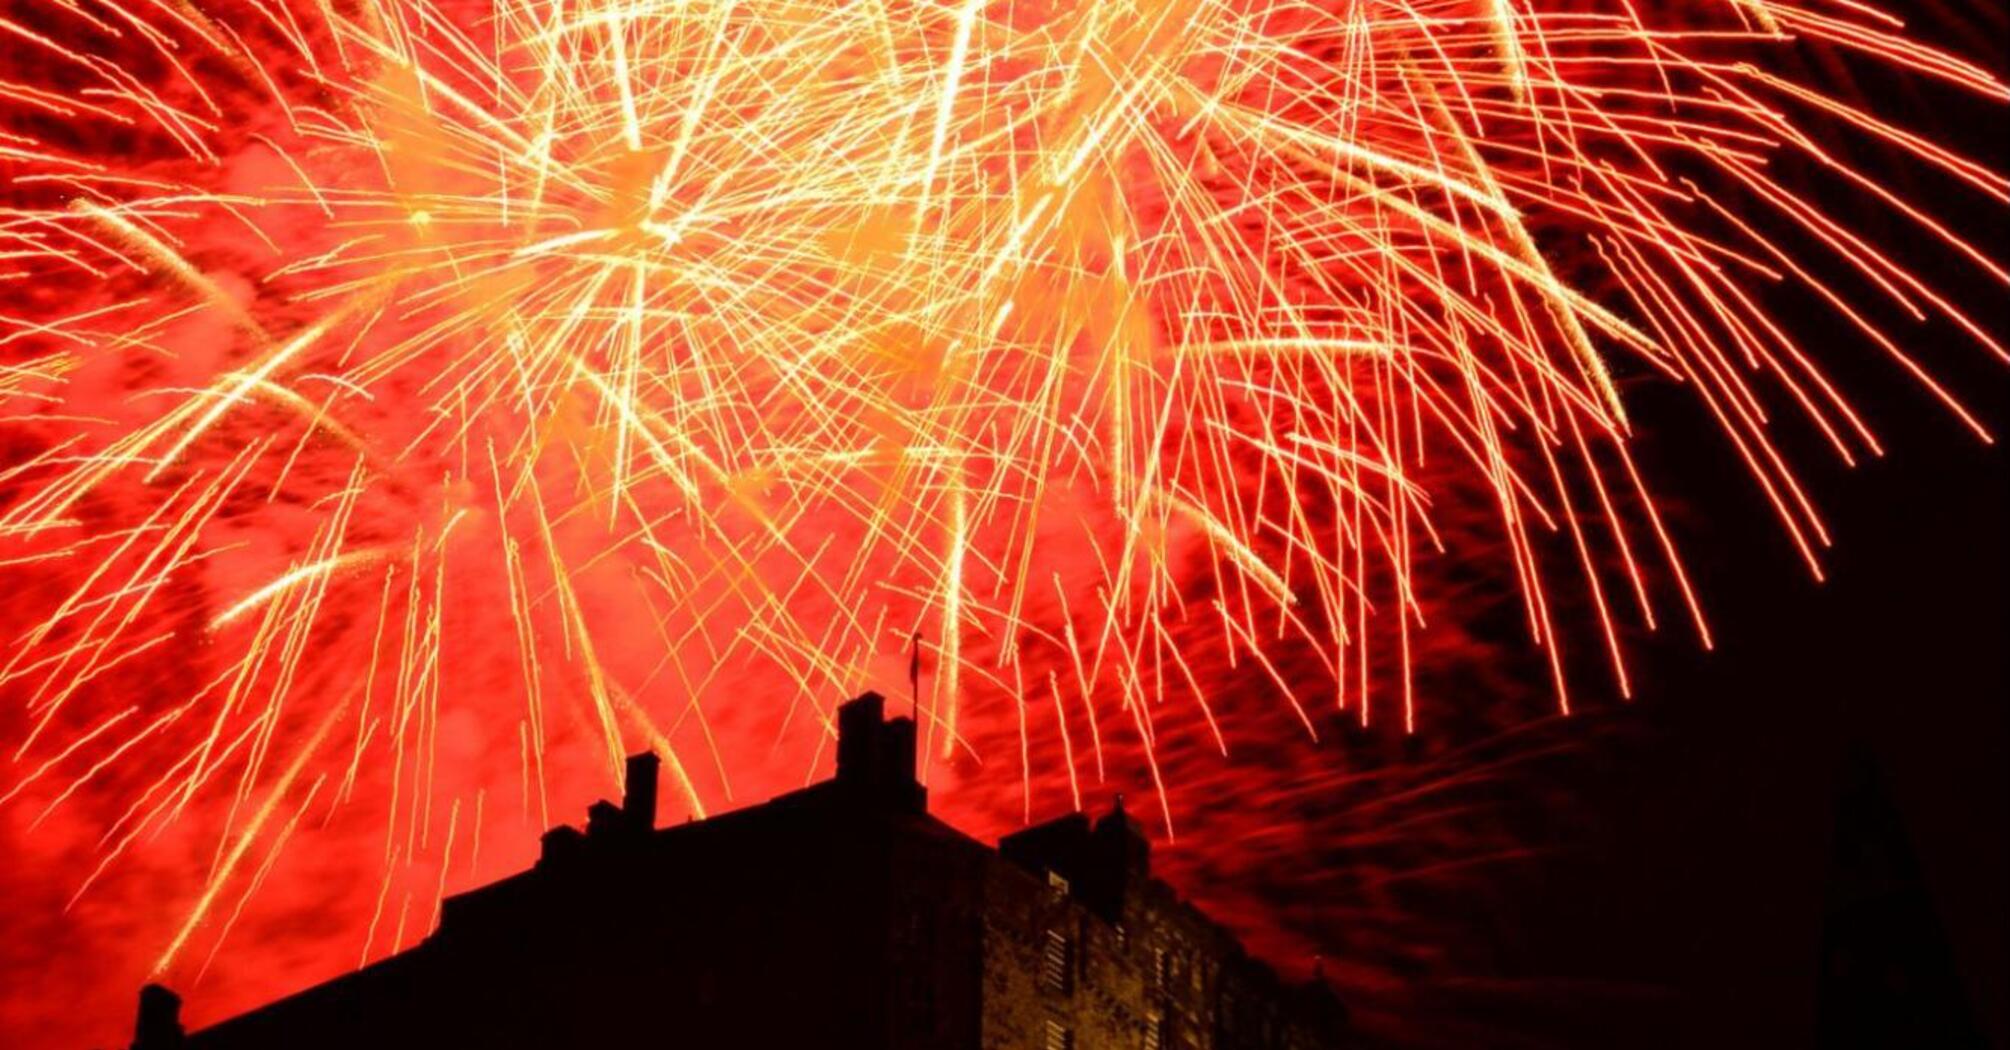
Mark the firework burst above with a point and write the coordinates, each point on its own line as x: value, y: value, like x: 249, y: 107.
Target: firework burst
x: 412, y: 405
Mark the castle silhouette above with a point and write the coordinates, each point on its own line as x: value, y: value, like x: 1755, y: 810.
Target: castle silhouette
x: 841, y: 915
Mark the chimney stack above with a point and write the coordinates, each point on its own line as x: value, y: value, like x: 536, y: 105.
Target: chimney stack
x: 159, y: 1025
x: 896, y: 752
x: 638, y: 792
x: 876, y: 756
x: 859, y: 739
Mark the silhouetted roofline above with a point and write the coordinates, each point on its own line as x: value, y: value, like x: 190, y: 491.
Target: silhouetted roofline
x: 1103, y: 863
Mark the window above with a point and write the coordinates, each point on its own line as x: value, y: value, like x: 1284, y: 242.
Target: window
x: 1057, y: 958
x: 1161, y: 968
x: 1155, y: 1032
x: 1060, y: 1036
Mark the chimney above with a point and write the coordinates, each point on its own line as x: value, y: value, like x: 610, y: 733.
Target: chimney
x: 638, y: 793
x: 159, y: 1025
x: 859, y: 739
x: 605, y: 822
x: 876, y: 757
x: 896, y: 752
x: 559, y: 845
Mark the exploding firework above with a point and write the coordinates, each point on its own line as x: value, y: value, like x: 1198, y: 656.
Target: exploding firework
x: 411, y: 406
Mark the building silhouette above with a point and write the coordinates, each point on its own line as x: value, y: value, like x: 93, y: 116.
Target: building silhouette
x: 841, y: 915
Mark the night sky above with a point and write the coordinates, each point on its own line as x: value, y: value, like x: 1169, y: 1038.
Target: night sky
x: 1654, y: 871
x: 1715, y: 796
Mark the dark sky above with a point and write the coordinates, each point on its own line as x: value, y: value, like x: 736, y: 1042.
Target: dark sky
x: 1701, y: 872
x: 1716, y: 821
x: 1717, y: 832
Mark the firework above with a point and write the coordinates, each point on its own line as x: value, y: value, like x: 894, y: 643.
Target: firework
x: 412, y: 405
